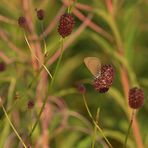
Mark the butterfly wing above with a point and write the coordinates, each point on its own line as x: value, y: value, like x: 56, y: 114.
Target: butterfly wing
x: 93, y: 64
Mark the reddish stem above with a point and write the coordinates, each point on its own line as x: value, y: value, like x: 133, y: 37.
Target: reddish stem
x: 109, y: 4
x: 135, y: 126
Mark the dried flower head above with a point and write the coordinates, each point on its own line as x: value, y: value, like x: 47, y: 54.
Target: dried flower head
x: 22, y: 22
x: 66, y: 24
x: 105, y: 80
x: 2, y: 66
x: 136, y: 97
x: 30, y: 104
x: 40, y: 14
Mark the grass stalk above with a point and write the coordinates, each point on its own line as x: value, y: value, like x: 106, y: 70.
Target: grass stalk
x: 58, y: 63
x: 128, y: 131
x: 94, y: 122
x: 36, y: 56
x: 12, y: 126
x: 51, y: 84
x: 95, y: 129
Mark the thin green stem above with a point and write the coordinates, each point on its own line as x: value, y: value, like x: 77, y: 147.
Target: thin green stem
x: 68, y: 10
x: 34, y: 79
x: 95, y: 129
x: 58, y: 63
x: 94, y: 137
x: 45, y: 51
x: 128, y: 131
x: 51, y: 84
x: 15, y: 131
x: 36, y: 56
x: 37, y: 75
x: 39, y: 115
x: 71, y: 6
x: 97, y: 126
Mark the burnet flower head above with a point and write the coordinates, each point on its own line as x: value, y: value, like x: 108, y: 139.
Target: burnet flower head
x: 104, y: 74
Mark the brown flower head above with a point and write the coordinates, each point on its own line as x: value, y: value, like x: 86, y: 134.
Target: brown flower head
x: 40, y: 14
x: 30, y: 104
x: 22, y: 22
x: 105, y: 80
x: 136, y: 97
x: 66, y: 24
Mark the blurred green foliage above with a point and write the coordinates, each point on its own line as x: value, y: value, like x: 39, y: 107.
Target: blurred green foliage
x: 128, y: 28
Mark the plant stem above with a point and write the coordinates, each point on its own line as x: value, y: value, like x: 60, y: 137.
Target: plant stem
x: 128, y: 131
x: 97, y: 126
x: 58, y: 63
x: 36, y: 56
x: 51, y: 84
x: 42, y: 29
x: 39, y: 115
x: 95, y: 129
x: 45, y: 52
x: 37, y: 75
x: 15, y: 131
x: 71, y: 6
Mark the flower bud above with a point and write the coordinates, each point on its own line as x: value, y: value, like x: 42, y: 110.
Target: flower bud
x: 40, y: 14
x: 30, y: 104
x: 22, y: 22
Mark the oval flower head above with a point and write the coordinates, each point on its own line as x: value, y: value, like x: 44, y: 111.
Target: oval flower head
x: 94, y: 66
x: 104, y: 74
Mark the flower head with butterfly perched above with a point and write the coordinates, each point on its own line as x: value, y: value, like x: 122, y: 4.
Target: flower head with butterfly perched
x: 104, y: 74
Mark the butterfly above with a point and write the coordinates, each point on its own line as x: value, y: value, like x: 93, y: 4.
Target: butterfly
x: 94, y: 65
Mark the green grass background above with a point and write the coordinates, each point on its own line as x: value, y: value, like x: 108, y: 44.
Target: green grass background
x: 129, y: 27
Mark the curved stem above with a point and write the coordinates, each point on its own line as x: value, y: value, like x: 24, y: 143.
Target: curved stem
x: 127, y: 74
x: 97, y: 126
x: 45, y: 52
x: 15, y: 131
x: 36, y: 56
x: 95, y: 129
x: 128, y: 131
x: 39, y: 115
x: 51, y: 84
x: 58, y: 64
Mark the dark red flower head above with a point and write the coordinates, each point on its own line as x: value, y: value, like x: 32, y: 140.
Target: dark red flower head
x: 105, y: 80
x: 30, y: 104
x: 22, y: 22
x: 136, y: 97
x: 66, y: 24
x: 40, y: 14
